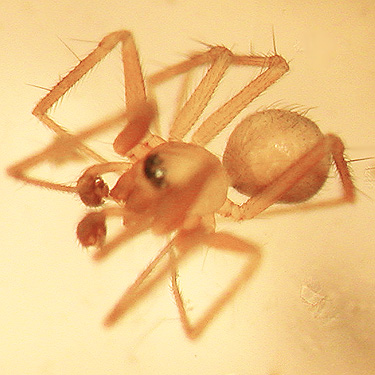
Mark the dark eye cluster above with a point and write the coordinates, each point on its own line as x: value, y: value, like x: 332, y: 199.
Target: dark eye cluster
x: 154, y: 171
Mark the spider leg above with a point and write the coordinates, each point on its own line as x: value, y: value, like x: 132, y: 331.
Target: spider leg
x: 132, y: 229
x: 270, y: 195
x: 177, y: 249
x: 193, y: 108
x: 139, y: 113
x: 144, y: 283
x: 62, y: 147
x: 275, y: 66
x: 220, y: 59
x: 134, y: 85
x: 224, y: 241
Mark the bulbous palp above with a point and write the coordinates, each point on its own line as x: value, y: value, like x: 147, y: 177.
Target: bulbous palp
x: 92, y: 189
x: 91, y: 230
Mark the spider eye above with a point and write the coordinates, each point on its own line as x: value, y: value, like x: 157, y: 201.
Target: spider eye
x: 154, y: 171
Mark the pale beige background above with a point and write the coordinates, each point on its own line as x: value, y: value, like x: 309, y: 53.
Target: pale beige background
x: 311, y: 307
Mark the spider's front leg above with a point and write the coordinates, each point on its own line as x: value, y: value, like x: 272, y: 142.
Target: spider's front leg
x: 138, y: 116
x: 135, y: 94
x: 59, y: 151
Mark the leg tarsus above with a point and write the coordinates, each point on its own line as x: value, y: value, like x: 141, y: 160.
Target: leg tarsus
x: 337, y: 149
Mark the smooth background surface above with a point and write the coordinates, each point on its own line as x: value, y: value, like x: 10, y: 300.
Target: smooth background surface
x: 310, y: 308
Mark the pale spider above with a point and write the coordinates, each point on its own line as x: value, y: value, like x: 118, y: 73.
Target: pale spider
x: 175, y: 187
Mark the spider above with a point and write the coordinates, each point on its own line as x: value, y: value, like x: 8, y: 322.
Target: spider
x: 174, y: 187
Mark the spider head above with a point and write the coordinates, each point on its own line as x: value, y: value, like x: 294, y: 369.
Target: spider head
x: 175, y: 178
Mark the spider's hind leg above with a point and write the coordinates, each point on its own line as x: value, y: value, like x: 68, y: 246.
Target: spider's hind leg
x: 287, y: 180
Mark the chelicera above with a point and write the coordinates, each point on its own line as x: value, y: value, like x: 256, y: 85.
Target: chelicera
x: 176, y: 187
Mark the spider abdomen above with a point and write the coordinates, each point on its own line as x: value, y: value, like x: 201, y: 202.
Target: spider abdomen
x: 266, y: 144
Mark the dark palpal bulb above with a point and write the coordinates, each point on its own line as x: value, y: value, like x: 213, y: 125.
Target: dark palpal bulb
x: 92, y: 190
x: 91, y: 230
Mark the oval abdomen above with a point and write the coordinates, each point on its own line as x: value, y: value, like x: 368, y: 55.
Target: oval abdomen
x: 267, y: 143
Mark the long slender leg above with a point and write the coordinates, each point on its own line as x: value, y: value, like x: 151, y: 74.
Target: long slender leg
x: 104, y: 47
x: 144, y: 283
x: 215, y: 123
x: 139, y: 113
x: 155, y: 272
x: 193, y: 108
x: 135, y: 91
x: 61, y: 150
x: 258, y: 203
x: 224, y: 241
x: 220, y: 58
x: 91, y: 227
x: 183, y: 93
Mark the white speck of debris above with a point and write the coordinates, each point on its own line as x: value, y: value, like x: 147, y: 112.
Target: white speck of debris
x: 310, y: 296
